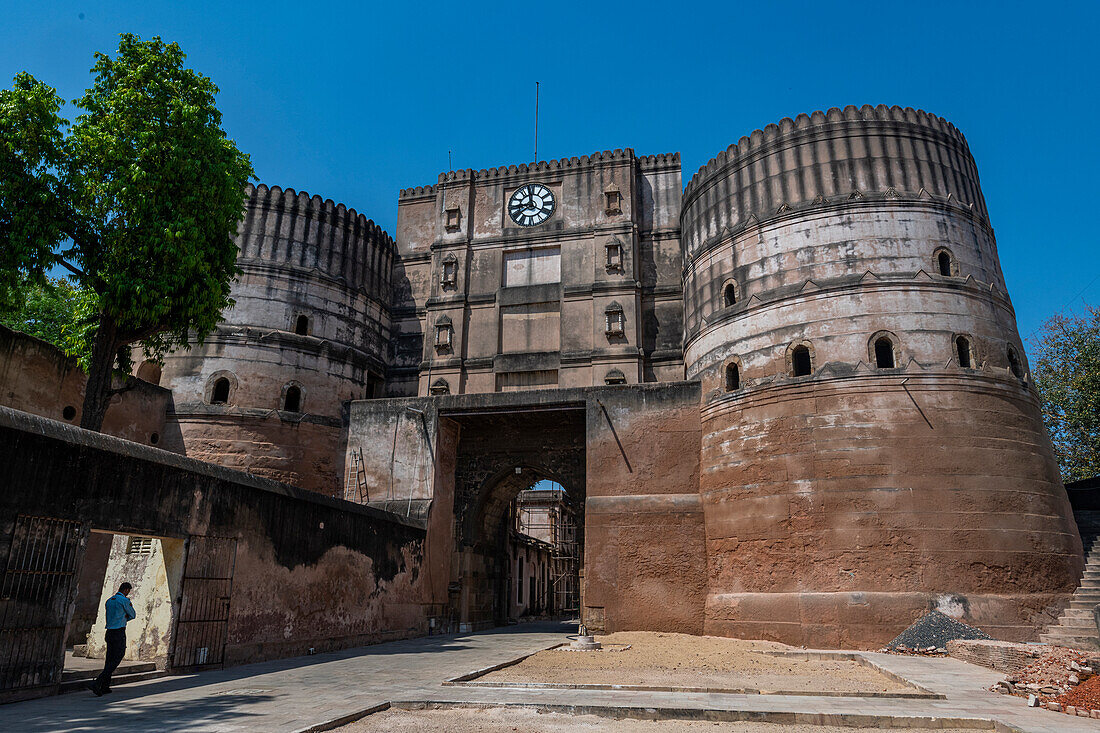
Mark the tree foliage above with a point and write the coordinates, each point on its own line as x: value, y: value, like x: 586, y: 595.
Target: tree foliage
x: 1066, y: 369
x: 138, y: 198
x: 44, y: 310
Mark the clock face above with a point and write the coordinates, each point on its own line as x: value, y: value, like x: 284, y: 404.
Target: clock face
x: 531, y: 204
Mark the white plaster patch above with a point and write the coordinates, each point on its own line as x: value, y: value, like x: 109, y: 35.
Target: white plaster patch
x: 951, y: 605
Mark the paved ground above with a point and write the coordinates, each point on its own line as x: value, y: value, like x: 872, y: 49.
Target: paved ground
x: 83, y: 664
x: 296, y: 694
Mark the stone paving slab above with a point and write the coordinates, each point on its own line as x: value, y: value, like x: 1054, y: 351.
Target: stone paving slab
x: 305, y: 693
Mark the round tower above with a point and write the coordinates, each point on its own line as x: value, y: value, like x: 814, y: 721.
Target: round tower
x: 872, y: 447
x: 309, y: 330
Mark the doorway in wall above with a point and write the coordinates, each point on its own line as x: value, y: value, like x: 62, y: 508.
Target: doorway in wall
x: 154, y: 567
x: 519, y: 513
x: 545, y: 552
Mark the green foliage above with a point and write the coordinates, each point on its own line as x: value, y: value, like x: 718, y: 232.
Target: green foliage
x: 46, y: 310
x: 138, y: 198
x: 31, y: 149
x: 1066, y: 369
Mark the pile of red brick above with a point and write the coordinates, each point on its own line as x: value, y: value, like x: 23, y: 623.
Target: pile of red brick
x: 1060, y: 679
x: 1086, y: 696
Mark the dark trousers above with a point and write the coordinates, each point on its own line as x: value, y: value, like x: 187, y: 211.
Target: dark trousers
x: 116, y: 650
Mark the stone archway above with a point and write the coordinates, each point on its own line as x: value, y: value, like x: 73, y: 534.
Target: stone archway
x: 541, y: 444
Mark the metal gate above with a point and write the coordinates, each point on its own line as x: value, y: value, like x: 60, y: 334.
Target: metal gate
x: 204, y: 609
x: 35, y: 596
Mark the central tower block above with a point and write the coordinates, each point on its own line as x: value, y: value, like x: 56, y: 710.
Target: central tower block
x: 547, y: 275
x: 871, y: 444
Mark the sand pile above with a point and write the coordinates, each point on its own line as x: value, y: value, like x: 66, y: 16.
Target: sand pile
x: 681, y: 660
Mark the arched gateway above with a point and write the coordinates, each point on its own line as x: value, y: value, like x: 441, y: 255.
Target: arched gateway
x: 627, y: 459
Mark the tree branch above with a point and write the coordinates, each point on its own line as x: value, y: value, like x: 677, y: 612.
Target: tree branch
x: 76, y: 271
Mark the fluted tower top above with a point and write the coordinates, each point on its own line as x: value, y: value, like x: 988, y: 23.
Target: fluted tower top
x: 863, y: 151
x: 292, y: 228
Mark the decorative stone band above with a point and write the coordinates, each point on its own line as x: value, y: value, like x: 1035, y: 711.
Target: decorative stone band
x: 368, y: 290
x: 283, y: 343
x: 644, y: 504
x: 986, y: 293
x: 911, y: 380
x: 826, y: 287
x: 851, y: 201
x: 232, y: 412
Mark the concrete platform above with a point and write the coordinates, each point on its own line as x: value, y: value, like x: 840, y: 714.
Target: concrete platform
x: 318, y: 692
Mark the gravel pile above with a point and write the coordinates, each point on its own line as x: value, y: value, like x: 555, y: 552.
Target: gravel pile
x: 931, y: 632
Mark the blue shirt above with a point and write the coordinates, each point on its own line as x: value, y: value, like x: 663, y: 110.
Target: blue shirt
x: 119, y: 611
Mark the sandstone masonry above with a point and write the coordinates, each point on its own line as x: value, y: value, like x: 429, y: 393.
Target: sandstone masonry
x: 789, y: 401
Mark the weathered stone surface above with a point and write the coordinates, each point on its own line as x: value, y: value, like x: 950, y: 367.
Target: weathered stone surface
x: 309, y: 571
x: 38, y: 378
x: 527, y: 306
x: 905, y: 468
x: 312, y: 312
x: 844, y: 503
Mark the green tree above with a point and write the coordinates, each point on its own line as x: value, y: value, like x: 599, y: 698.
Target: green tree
x: 138, y: 199
x: 44, y: 310
x: 1066, y: 370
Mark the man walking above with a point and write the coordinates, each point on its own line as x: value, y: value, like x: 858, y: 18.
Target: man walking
x: 119, y: 611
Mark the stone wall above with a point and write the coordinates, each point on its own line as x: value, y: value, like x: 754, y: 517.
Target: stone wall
x: 302, y: 450
x: 841, y: 510
x: 309, y: 571
x: 645, y: 548
x: 845, y: 500
x: 1003, y: 656
x: 38, y: 378
x: 391, y: 450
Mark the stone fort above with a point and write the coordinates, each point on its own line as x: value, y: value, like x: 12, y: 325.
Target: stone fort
x: 787, y: 401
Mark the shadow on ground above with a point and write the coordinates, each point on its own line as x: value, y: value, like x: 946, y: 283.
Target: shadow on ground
x: 144, y: 706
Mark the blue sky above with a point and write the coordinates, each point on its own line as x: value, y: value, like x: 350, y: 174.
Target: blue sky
x: 356, y: 101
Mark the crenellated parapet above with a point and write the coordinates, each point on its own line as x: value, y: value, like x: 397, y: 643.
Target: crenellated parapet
x: 661, y: 161
x: 292, y: 228
x: 618, y: 156
x: 416, y: 192
x: 835, y: 115
x: 826, y: 155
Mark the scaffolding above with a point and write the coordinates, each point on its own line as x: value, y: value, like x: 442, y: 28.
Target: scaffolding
x: 545, y: 516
